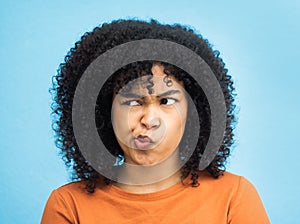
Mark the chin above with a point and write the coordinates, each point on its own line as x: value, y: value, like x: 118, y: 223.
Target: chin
x: 144, y: 161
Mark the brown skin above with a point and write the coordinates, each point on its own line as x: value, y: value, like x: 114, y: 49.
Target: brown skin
x: 149, y: 128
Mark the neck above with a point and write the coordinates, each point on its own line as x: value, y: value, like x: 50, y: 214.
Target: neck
x: 153, y: 187
x: 160, y: 176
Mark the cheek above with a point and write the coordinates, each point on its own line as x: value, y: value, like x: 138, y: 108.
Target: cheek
x: 119, y: 121
x: 131, y: 120
x: 178, y: 116
x: 174, y: 124
x: 124, y: 121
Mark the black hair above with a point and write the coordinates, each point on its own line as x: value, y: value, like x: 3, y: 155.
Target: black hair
x: 107, y: 36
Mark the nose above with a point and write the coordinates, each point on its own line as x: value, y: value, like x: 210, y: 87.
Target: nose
x: 150, y: 118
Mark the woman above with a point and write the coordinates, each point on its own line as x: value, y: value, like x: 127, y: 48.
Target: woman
x: 143, y: 116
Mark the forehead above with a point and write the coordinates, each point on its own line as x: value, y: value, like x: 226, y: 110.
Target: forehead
x: 153, y: 84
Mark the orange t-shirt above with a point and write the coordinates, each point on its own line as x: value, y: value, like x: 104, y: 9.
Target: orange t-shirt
x: 228, y: 199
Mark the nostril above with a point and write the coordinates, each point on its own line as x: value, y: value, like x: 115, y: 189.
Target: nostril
x: 151, y: 123
x: 155, y: 122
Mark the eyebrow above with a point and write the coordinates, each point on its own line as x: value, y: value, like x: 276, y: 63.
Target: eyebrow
x: 133, y: 95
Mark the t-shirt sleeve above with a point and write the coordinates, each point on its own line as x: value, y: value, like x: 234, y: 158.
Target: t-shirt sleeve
x: 57, y: 210
x: 246, y: 206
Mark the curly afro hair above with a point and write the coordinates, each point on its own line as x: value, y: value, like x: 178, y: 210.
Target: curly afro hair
x: 107, y: 36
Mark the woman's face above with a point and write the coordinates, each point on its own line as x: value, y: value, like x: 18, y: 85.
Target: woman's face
x: 149, y: 127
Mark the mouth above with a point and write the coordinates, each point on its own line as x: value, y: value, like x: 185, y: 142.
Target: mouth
x: 143, y: 142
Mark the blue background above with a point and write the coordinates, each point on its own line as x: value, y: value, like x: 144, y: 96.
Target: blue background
x: 258, y: 40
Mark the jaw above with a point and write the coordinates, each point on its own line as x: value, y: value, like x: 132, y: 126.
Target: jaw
x: 147, y: 157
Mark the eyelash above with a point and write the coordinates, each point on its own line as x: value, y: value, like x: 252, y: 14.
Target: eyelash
x: 168, y: 99
x: 128, y: 102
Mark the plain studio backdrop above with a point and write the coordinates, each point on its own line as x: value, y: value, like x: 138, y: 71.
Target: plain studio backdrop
x: 258, y: 41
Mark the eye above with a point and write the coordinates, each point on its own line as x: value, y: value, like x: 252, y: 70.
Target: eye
x: 133, y: 103
x: 167, y: 101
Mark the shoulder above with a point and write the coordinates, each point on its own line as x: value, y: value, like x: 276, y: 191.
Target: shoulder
x: 77, y: 186
x: 70, y: 193
x: 226, y: 178
x: 77, y: 191
x: 239, y: 183
x: 227, y: 184
x: 65, y: 202
x: 243, y: 201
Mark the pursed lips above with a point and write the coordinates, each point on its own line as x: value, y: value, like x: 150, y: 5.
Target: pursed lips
x: 143, y: 142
